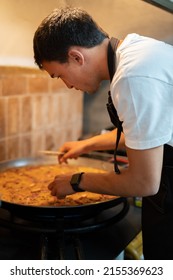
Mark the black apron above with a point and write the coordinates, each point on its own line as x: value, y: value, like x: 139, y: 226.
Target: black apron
x: 157, y: 210
x: 157, y: 215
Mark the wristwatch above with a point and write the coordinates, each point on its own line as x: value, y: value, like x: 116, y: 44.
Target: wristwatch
x: 75, y: 181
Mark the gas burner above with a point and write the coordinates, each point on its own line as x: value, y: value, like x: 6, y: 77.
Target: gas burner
x: 58, y: 237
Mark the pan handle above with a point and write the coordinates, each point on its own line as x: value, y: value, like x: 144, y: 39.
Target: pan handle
x: 103, y: 223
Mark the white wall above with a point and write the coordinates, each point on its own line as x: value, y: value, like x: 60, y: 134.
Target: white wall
x: 120, y: 17
x: 20, y: 18
x: 18, y: 22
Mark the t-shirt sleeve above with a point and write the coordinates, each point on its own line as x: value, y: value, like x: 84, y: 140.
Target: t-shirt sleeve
x: 139, y: 102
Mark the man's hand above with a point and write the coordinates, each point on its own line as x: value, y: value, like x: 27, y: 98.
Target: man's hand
x: 60, y: 187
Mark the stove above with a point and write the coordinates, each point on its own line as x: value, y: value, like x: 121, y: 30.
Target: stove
x: 58, y: 238
x: 102, y: 235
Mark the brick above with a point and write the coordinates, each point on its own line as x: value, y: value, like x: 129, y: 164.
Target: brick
x: 13, y: 116
x: 57, y: 85
x: 13, y: 148
x: 26, y: 114
x: 46, y: 110
x: 2, y: 118
x: 37, y: 84
x: 38, y: 142
x: 37, y: 117
x: 13, y: 85
x: 25, y: 146
x: 49, y: 140
x: 0, y: 87
x: 2, y: 150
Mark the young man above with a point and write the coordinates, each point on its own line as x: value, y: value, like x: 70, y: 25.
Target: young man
x: 69, y: 45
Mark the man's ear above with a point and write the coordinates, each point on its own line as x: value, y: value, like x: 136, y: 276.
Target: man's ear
x: 76, y: 56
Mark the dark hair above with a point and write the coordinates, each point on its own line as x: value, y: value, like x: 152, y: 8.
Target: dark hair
x: 62, y: 29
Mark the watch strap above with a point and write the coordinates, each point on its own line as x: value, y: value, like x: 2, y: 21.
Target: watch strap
x: 75, y: 181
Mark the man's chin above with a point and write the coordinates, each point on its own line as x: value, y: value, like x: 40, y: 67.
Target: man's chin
x: 92, y: 91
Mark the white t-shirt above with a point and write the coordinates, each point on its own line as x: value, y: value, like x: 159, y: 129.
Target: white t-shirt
x: 142, y: 91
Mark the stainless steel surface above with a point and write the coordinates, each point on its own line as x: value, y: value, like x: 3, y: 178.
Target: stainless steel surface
x: 52, y: 160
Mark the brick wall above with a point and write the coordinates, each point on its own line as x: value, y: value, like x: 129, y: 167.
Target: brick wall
x: 36, y: 112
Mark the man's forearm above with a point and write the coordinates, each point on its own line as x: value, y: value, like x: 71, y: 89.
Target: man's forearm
x: 105, y: 141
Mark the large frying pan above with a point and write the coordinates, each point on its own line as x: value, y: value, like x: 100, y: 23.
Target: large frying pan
x: 65, y: 212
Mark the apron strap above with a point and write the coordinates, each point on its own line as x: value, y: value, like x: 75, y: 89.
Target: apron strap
x: 112, y: 46
x: 111, y: 56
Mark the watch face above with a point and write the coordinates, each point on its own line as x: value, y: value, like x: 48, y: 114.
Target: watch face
x: 75, y: 179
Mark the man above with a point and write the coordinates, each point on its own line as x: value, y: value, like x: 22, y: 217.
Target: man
x: 69, y: 45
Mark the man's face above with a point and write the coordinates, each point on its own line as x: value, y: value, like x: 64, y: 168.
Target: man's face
x: 76, y: 73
